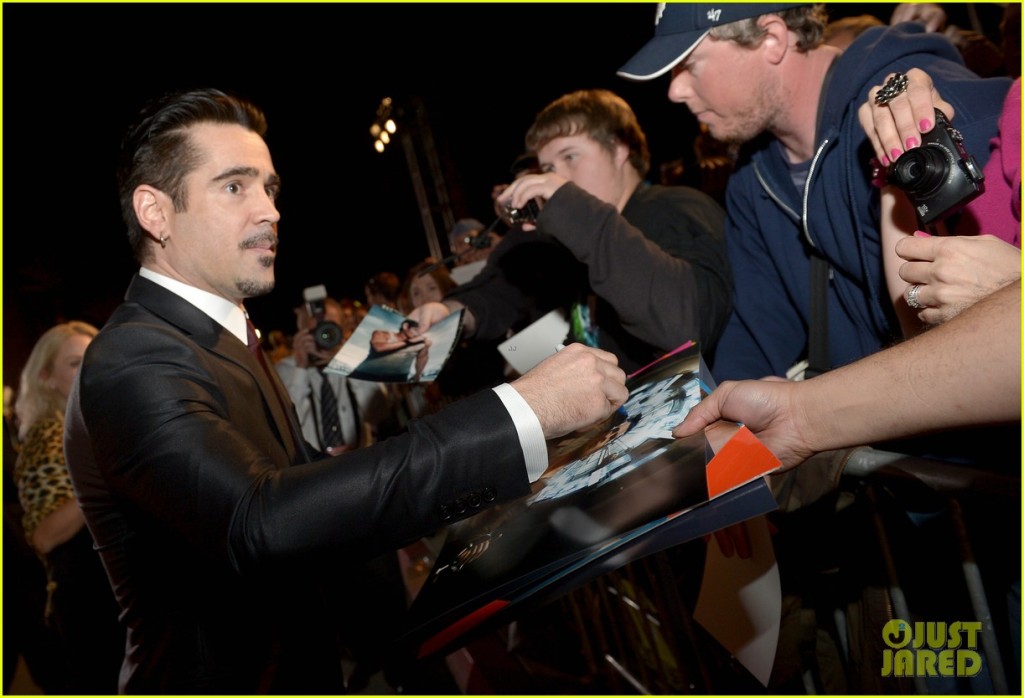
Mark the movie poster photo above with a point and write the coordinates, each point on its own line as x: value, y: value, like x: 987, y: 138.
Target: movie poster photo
x: 388, y: 347
x: 605, y: 487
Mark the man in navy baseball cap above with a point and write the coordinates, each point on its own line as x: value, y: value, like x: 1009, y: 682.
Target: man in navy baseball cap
x: 679, y: 27
x: 760, y: 74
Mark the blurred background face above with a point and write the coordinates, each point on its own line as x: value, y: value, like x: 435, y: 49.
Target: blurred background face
x: 424, y: 289
x: 66, y: 363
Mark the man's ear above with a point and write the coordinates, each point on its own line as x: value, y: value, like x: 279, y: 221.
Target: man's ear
x: 775, y: 42
x: 151, y: 208
x: 621, y: 153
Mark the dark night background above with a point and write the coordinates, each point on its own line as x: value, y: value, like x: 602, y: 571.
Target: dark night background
x: 75, y: 75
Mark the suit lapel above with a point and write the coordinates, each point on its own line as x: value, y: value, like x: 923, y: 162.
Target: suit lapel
x: 209, y: 334
x: 272, y: 390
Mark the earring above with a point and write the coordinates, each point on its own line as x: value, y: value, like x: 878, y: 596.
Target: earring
x: 163, y: 241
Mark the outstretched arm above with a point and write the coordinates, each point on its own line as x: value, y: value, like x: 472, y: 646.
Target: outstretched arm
x: 963, y: 373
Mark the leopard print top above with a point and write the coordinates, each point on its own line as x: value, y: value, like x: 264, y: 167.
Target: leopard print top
x: 44, y: 484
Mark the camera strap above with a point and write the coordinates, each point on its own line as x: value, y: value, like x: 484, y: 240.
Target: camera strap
x: 817, y: 331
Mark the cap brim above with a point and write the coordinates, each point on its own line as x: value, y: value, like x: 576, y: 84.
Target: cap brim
x: 660, y: 55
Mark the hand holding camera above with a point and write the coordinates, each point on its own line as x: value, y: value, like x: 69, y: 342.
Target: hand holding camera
x: 940, y: 176
x: 895, y: 123
x: 522, y: 201
x: 317, y: 338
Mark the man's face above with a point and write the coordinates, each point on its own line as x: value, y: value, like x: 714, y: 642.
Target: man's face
x: 226, y: 239
x: 724, y: 86
x: 589, y: 165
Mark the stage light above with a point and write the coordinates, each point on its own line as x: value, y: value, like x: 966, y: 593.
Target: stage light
x: 383, y: 126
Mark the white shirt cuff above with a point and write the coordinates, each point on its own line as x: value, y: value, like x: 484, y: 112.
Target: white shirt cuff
x: 531, y: 436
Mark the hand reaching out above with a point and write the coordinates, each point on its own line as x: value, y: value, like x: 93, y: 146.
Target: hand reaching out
x: 766, y: 407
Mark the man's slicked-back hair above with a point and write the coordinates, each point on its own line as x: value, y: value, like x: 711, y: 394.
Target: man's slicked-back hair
x: 157, y: 150
x: 599, y: 114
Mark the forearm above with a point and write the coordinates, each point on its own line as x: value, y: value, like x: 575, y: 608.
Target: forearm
x: 385, y: 495
x: 491, y: 308
x: 625, y: 268
x: 963, y: 373
x: 896, y: 222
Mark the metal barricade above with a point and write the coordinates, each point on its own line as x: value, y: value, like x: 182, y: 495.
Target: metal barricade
x: 638, y: 634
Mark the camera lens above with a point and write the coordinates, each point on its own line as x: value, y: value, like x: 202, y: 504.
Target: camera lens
x: 921, y: 171
x: 327, y: 335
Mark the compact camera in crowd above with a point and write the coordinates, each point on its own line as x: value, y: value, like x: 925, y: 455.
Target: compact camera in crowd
x: 527, y: 214
x: 326, y: 334
x: 940, y: 176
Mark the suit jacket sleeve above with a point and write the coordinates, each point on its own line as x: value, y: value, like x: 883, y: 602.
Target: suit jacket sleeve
x: 181, y: 439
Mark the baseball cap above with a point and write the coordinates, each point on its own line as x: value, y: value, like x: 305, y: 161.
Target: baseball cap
x: 465, y: 226
x: 680, y: 26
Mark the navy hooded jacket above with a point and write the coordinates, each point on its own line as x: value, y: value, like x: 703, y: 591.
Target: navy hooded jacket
x: 772, y: 226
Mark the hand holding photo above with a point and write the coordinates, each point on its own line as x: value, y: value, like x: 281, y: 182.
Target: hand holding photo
x: 389, y: 347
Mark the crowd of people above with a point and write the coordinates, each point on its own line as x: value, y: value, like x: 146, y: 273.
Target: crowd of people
x: 240, y: 496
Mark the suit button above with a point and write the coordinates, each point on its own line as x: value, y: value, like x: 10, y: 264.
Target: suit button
x: 460, y: 505
x: 474, y: 500
x: 445, y: 512
x: 489, y: 494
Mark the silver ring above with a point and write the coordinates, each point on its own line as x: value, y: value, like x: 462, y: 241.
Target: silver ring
x: 912, y: 297
x: 896, y: 85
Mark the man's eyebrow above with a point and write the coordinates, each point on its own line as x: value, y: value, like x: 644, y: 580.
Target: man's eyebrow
x: 240, y: 171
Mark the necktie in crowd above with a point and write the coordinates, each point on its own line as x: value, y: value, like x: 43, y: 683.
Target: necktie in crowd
x: 329, y: 419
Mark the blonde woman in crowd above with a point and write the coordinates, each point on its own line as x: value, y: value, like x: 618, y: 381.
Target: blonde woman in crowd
x: 80, y: 609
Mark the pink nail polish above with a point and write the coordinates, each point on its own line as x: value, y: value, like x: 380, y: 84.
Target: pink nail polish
x: 896, y: 152
x: 912, y: 143
x: 921, y: 234
x: 885, y: 161
x: 925, y: 125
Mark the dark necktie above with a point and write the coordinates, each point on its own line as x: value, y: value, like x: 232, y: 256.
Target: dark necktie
x: 253, y: 340
x: 257, y: 351
x: 285, y: 402
x: 329, y: 419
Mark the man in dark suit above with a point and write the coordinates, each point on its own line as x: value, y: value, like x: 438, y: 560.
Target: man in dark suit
x: 210, y: 511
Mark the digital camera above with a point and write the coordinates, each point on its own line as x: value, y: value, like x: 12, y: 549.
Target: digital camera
x: 326, y: 334
x: 940, y: 176
x: 527, y: 214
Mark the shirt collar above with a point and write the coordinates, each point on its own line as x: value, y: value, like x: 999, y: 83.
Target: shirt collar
x: 230, y: 316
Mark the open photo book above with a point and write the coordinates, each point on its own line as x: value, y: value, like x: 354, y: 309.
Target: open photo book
x: 390, y: 348
x: 620, y: 490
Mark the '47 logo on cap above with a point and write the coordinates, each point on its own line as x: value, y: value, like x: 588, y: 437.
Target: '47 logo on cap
x: 713, y: 15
